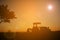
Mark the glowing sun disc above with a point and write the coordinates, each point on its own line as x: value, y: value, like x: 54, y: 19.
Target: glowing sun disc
x: 49, y: 7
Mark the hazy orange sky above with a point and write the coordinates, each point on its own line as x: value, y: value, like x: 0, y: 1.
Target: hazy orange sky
x: 28, y: 11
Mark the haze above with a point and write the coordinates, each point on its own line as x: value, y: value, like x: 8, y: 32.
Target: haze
x: 28, y: 12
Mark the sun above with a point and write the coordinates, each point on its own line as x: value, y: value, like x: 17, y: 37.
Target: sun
x: 50, y: 7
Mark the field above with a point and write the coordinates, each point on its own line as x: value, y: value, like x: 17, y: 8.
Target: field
x: 30, y: 36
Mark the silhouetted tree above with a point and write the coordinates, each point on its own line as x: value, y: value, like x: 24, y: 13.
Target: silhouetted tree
x: 6, y: 14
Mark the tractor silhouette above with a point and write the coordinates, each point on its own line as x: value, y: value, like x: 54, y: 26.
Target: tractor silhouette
x: 38, y: 28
